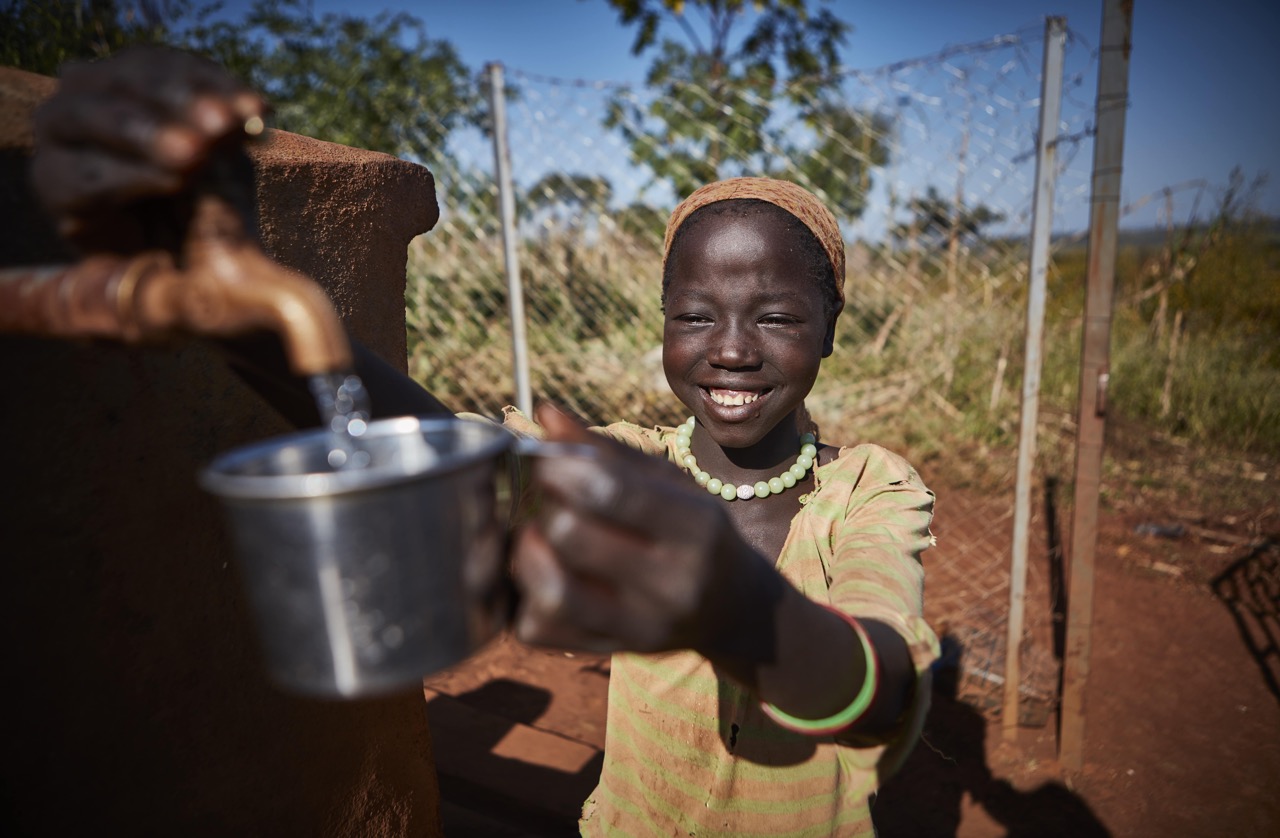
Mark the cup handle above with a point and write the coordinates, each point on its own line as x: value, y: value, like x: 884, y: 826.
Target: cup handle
x: 527, y: 446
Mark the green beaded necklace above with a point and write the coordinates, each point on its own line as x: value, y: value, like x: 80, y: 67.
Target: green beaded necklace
x: 728, y: 491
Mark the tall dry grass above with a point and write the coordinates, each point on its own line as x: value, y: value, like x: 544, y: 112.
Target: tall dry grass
x: 929, y: 350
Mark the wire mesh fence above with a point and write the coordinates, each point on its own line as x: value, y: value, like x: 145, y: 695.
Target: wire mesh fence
x: 929, y: 165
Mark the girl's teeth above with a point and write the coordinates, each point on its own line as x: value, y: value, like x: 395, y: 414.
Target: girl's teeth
x: 733, y: 397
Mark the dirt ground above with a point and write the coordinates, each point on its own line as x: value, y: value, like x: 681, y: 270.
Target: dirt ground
x: 1182, y: 707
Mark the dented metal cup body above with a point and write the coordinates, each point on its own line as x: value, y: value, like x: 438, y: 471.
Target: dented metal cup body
x: 363, y: 580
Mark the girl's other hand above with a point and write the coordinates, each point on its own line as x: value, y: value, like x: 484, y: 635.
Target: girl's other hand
x: 138, y: 126
x: 626, y: 554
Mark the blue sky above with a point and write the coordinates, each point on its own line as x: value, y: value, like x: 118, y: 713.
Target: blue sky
x: 1204, y: 77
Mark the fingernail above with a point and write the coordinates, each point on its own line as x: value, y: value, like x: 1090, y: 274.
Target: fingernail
x: 545, y: 410
x: 211, y: 116
x: 526, y: 629
x: 548, y: 591
x: 587, y: 479
x: 557, y: 526
x: 543, y: 585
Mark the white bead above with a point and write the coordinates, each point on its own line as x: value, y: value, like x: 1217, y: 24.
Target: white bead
x: 746, y: 491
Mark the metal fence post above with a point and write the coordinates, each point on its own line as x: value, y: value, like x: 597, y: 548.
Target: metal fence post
x: 507, y: 210
x: 1104, y: 217
x: 1055, y: 32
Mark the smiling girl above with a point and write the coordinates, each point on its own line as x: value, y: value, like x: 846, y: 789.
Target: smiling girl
x: 774, y: 587
x: 763, y: 588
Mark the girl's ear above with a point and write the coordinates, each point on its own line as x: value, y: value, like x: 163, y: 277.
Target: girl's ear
x: 829, y: 341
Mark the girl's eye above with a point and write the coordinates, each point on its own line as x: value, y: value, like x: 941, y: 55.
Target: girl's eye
x: 693, y: 318
x: 779, y: 320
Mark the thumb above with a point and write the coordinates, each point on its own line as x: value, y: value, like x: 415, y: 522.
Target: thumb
x: 561, y: 426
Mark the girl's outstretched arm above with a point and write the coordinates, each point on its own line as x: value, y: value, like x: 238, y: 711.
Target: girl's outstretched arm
x: 624, y: 555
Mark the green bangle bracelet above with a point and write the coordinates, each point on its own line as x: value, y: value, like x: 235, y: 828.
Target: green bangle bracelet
x: 856, y: 709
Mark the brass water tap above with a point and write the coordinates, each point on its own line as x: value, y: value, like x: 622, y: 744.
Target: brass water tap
x: 224, y: 286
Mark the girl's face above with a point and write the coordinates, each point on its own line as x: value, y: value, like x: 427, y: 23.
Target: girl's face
x: 744, y: 332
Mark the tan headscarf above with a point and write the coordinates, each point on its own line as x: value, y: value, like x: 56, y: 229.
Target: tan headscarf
x: 796, y: 200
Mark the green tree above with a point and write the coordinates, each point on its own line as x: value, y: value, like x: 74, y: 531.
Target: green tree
x: 935, y: 221
x: 640, y: 220
x: 379, y: 83
x: 41, y: 35
x: 566, y: 198
x: 747, y: 89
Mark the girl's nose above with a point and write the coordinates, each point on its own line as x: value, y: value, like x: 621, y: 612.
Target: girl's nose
x: 731, y: 348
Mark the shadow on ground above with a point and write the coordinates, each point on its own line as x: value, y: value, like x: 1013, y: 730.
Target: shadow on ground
x: 499, y: 775
x: 926, y: 798
x: 1250, y: 589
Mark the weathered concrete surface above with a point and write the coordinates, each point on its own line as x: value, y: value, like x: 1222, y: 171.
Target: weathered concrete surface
x: 135, y: 698
x: 360, y: 210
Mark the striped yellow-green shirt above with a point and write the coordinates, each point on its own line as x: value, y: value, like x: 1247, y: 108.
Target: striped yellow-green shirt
x: 688, y: 753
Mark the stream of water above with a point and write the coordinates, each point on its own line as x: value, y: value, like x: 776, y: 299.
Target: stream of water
x: 344, y: 408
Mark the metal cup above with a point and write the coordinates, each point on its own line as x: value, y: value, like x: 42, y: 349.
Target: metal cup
x: 364, y: 580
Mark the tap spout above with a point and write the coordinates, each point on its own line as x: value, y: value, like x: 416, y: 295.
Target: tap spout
x: 230, y: 287
x: 225, y: 286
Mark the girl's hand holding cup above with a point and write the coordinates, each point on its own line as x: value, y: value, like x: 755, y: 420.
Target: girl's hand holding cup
x: 626, y: 555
